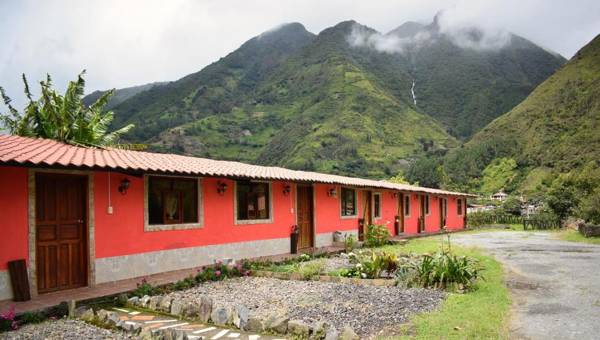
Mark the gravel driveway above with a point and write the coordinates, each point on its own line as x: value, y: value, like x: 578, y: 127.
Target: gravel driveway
x: 555, y: 284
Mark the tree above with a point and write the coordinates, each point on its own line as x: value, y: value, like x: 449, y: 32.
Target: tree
x: 63, y: 117
x: 512, y: 206
x: 562, y: 197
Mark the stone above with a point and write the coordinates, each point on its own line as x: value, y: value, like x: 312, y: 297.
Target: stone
x: 165, y: 305
x: 318, y: 330
x: 191, y: 310
x: 144, y: 301
x: 278, y: 325
x: 240, y: 316
x: 155, y: 302
x: 255, y: 325
x: 348, y: 334
x: 71, y: 305
x: 332, y: 334
x: 206, y: 307
x: 133, y: 301
x: 102, y: 315
x: 177, y: 307
x: 86, y: 314
x: 221, y: 316
x: 131, y: 327
x: 298, y: 328
x: 113, y: 319
x: 122, y: 299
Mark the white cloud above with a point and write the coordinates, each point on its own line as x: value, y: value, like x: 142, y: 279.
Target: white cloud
x: 125, y: 43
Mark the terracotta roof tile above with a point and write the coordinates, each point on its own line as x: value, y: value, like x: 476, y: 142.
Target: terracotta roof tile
x: 31, y: 151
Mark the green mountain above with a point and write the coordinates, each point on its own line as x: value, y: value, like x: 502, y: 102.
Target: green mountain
x: 323, y: 102
x: 120, y: 95
x: 466, y: 77
x: 556, y: 130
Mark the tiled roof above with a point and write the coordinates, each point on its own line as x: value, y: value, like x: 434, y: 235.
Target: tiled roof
x: 16, y: 150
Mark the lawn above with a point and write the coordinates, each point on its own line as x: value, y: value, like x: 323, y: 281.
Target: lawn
x: 575, y: 236
x: 480, y: 314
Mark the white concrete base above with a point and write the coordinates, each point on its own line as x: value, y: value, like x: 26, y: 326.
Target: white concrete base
x: 136, y: 265
x: 326, y: 239
x: 5, y: 286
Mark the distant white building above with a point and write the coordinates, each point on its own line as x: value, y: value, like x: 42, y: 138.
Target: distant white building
x: 499, y: 196
x: 473, y: 208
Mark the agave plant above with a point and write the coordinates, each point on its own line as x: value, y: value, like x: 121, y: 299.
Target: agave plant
x: 63, y: 117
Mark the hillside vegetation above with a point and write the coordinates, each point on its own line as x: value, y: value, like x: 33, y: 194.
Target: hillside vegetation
x: 321, y: 102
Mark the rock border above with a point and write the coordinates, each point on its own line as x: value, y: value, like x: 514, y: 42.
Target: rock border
x: 238, y: 317
x: 324, y: 278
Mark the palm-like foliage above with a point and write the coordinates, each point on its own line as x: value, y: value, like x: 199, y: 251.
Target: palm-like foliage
x: 63, y: 117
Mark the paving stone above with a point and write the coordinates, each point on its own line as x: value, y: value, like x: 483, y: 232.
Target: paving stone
x: 298, y: 328
x: 240, y: 316
x: 206, y: 307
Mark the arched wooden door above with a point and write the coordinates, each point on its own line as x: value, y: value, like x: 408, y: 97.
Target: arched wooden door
x: 61, y: 231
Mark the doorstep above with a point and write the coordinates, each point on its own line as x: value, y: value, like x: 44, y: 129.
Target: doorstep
x: 47, y: 300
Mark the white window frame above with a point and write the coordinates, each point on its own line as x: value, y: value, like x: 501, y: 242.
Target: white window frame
x: 180, y: 226
x: 255, y: 221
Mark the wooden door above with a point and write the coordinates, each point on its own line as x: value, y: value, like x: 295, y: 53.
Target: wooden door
x: 367, y: 218
x: 443, y: 211
x: 421, y: 227
x: 61, y: 231
x: 305, y: 216
x: 400, y: 215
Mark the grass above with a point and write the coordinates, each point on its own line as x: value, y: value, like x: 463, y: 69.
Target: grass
x: 575, y: 236
x: 480, y: 314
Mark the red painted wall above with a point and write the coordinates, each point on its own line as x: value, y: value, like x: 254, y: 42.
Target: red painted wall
x: 328, y: 210
x: 432, y: 221
x: 14, y: 195
x: 411, y: 222
x: 455, y: 221
x: 389, y: 210
x: 122, y: 233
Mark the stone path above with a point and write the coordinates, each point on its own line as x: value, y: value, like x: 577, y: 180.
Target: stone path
x: 194, y: 330
x: 555, y: 284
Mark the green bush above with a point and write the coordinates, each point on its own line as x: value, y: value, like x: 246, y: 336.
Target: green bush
x: 349, y: 242
x: 370, y: 265
x: 377, y: 235
x: 441, y: 270
x: 144, y: 288
x: 310, y: 269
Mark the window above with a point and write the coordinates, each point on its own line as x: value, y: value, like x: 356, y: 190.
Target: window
x: 459, y: 208
x: 253, y: 201
x: 172, y: 200
x: 377, y: 205
x: 348, y: 202
x: 407, y: 205
x: 426, y: 204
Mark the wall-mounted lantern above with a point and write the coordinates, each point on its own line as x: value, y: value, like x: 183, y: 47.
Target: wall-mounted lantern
x: 221, y: 187
x: 124, y: 186
x: 332, y: 192
x: 287, y: 189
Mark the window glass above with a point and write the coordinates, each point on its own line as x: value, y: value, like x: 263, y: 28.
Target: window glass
x: 406, y: 205
x: 377, y: 205
x: 459, y: 208
x: 348, y: 200
x: 426, y: 204
x: 252, y: 201
x: 172, y: 200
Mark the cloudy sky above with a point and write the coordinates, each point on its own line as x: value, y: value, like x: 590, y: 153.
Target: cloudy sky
x: 123, y: 43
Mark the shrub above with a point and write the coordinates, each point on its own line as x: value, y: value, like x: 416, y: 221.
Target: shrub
x: 309, y: 269
x: 7, y: 320
x: 349, y: 243
x: 371, y: 265
x: 377, y: 235
x: 144, y: 288
x: 441, y: 270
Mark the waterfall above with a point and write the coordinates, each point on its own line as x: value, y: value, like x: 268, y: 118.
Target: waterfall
x: 412, y: 91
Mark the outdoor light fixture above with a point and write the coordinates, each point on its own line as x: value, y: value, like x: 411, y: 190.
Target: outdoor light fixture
x: 124, y: 186
x: 394, y: 194
x: 332, y: 192
x: 286, y: 189
x: 221, y: 187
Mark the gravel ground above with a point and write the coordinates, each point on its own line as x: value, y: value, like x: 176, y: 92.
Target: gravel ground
x: 62, y: 329
x: 334, y: 263
x: 367, y: 309
x: 555, y: 284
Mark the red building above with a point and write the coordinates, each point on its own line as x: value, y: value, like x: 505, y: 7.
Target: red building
x: 81, y: 216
